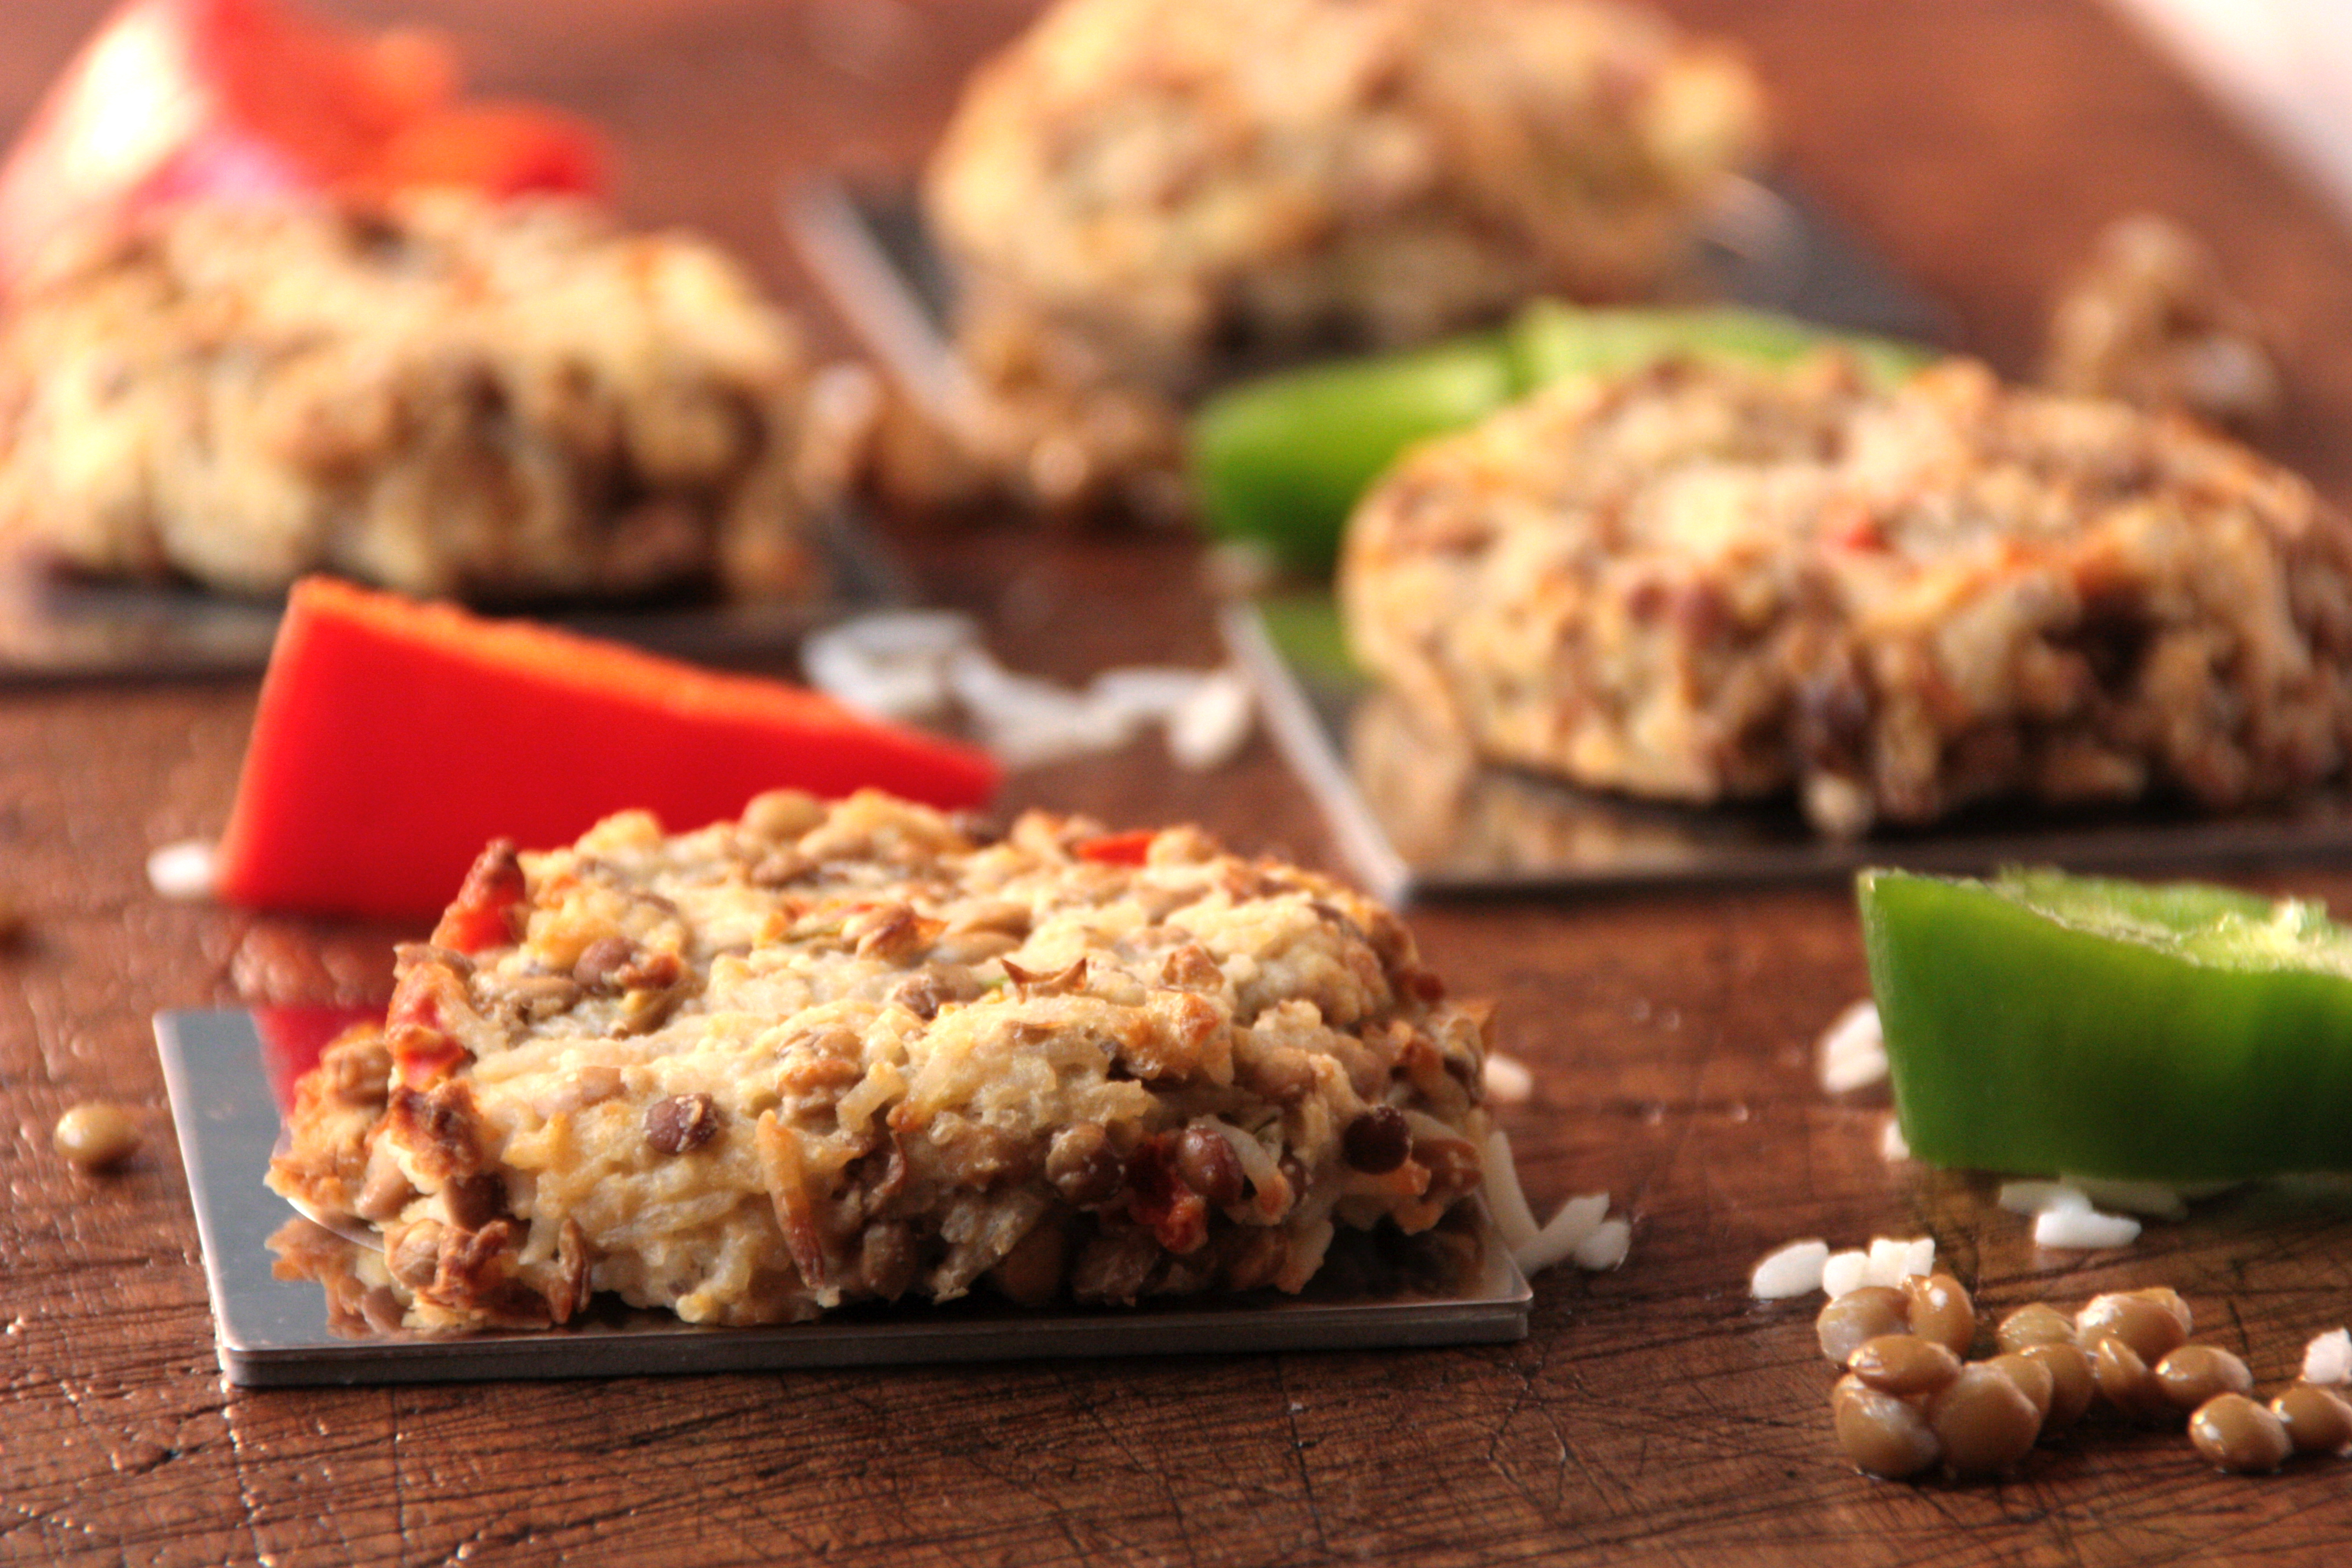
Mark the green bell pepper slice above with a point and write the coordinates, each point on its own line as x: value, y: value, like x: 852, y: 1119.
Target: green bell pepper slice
x: 1280, y: 462
x: 2041, y: 1023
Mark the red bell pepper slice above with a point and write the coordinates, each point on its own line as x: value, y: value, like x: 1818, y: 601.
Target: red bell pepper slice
x: 251, y: 100
x: 394, y: 738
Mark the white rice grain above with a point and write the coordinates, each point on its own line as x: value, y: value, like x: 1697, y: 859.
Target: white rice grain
x: 2083, y: 1229
x: 1849, y: 1073
x: 1891, y: 1145
x: 2037, y: 1197
x: 1508, y: 1080
x: 1791, y: 1270
x: 1853, y: 1050
x: 1894, y: 1259
x: 1842, y: 1273
x: 186, y: 870
x: 1604, y: 1247
x: 2156, y: 1200
x: 1209, y: 724
x: 2327, y: 1359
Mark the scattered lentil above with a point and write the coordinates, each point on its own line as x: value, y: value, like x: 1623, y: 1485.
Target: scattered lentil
x: 680, y: 1124
x: 1882, y: 1435
x: 2037, y: 1324
x: 95, y: 1136
x: 2154, y: 1322
x: 2072, y: 1386
x: 2125, y: 1383
x: 2033, y: 1380
x: 1985, y: 1421
x: 2317, y: 1421
x: 2239, y: 1435
x: 1376, y: 1140
x: 1940, y: 1310
x: 1858, y: 1316
x: 1903, y: 1365
x: 1209, y: 1166
x: 1910, y: 1401
x: 2194, y: 1374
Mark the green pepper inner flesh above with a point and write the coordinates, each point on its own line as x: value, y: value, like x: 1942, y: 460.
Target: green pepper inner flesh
x: 2041, y: 1023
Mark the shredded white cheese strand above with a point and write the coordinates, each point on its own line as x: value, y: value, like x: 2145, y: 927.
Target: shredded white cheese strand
x: 922, y: 666
x: 1582, y: 1232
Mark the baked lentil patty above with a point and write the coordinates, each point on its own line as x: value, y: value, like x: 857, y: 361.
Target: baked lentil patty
x: 825, y: 1055
x: 443, y: 395
x: 1714, y: 583
x: 1140, y: 196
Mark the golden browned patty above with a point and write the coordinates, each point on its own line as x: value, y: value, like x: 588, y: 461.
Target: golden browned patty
x: 1709, y: 583
x: 503, y: 402
x: 827, y: 1054
x: 1138, y: 193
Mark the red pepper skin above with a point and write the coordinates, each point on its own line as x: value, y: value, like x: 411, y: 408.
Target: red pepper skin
x: 259, y: 100
x: 486, y: 911
x: 393, y: 740
x: 1120, y: 848
x: 1177, y: 1216
x: 423, y: 1057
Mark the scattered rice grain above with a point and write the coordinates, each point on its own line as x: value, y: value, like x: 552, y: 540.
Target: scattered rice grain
x: 1892, y: 1260
x: 1563, y: 1234
x: 186, y: 870
x: 1509, y: 1080
x: 1891, y: 1145
x: 1604, y: 1247
x: 1844, y: 1273
x: 1852, y: 1051
x: 2327, y: 1359
x: 2034, y: 1197
x: 1210, y: 724
x: 2083, y: 1229
x: 2154, y: 1200
x: 1791, y: 1270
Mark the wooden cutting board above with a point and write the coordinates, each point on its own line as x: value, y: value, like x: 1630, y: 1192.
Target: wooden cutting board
x: 1653, y: 1415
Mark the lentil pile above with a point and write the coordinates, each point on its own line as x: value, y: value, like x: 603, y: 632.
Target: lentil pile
x: 1910, y: 1400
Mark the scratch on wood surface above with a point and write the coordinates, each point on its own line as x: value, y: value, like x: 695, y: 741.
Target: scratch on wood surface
x: 1298, y: 1447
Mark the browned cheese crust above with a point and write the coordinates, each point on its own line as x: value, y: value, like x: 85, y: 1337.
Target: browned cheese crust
x: 499, y: 401
x: 822, y: 1056
x: 1141, y: 194
x: 1708, y: 584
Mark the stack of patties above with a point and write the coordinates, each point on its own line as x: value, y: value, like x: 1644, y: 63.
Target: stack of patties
x: 501, y: 401
x: 1141, y: 196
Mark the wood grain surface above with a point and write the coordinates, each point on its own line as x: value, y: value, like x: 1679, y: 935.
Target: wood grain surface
x: 1653, y: 1414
